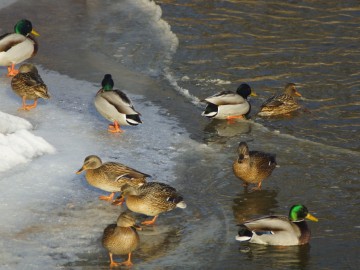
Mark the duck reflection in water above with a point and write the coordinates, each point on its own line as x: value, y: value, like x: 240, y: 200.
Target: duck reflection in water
x: 289, y: 257
x: 246, y: 205
x: 221, y: 129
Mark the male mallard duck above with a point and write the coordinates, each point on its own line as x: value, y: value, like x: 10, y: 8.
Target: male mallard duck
x: 253, y: 166
x: 278, y: 230
x: 281, y: 104
x: 28, y: 85
x: 115, y: 106
x: 152, y: 199
x: 18, y: 46
x: 110, y: 176
x: 229, y: 105
x: 121, y: 238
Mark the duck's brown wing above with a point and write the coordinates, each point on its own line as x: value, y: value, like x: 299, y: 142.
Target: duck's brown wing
x: 117, y: 171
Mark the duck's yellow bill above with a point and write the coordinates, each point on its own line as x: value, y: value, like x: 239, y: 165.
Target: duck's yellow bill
x: 35, y: 33
x: 80, y: 170
x: 297, y: 93
x: 311, y: 217
x: 253, y: 94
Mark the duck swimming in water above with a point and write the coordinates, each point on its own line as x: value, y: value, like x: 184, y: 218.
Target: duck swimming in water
x: 281, y: 104
x: 229, y: 105
x: 278, y: 230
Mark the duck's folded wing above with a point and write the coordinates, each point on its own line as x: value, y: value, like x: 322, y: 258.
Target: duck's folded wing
x: 117, y: 171
x: 120, y: 101
x: 9, y: 40
x: 273, y: 101
x: 225, y: 97
x: 269, y: 224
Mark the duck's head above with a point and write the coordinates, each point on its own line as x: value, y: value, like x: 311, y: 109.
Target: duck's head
x: 90, y: 162
x: 127, y: 190
x: 243, y: 150
x: 291, y: 90
x: 28, y: 67
x: 244, y: 90
x: 299, y: 212
x: 107, y: 83
x: 24, y: 27
x: 126, y: 219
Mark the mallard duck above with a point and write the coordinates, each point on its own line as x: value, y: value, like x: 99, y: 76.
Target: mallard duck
x: 115, y: 106
x: 152, y: 199
x: 229, y: 105
x: 110, y: 176
x: 28, y: 85
x: 121, y: 238
x: 18, y: 46
x: 278, y: 230
x: 281, y: 104
x: 253, y: 166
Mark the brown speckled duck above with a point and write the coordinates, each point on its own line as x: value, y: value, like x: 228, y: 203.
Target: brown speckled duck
x: 110, y: 176
x: 253, y: 166
x: 278, y: 230
x: 28, y: 85
x: 18, y: 46
x: 281, y: 104
x: 121, y: 238
x: 152, y: 199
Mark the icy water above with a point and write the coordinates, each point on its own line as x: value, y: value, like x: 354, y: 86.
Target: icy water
x: 169, y: 55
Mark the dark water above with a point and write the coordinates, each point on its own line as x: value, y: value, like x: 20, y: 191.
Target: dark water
x: 221, y: 44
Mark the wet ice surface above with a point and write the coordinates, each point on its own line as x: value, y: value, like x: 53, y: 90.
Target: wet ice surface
x: 53, y: 219
x: 49, y: 214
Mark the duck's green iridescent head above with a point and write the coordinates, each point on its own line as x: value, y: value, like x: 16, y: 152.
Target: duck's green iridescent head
x: 107, y: 83
x: 24, y: 27
x: 299, y: 212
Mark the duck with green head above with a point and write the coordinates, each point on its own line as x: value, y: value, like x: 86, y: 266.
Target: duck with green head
x: 229, y: 105
x: 281, y: 104
x: 18, y: 46
x: 115, y: 106
x: 278, y: 230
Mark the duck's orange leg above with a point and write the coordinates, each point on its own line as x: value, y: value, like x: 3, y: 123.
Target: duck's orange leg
x: 12, y: 71
x: 231, y: 118
x: 150, y: 222
x: 118, y: 201
x: 115, y: 128
x: 27, y: 107
x: 107, y: 198
x: 128, y: 261
x: 258, y: 187
x: 112, y: 262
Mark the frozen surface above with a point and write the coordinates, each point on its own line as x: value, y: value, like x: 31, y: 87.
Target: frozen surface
x: 5, y: 3
x: 46, y: 208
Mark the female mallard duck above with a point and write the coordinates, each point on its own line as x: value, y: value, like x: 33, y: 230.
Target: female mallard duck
x: 278, y: 230
x: 229, y: 105
x: 281, y: 104
x: 121, y: 238
x: 110, y: 176
x: 18, y: 46
x: 28, y: 85
x: 152, y: 199
x: 253, y: 166
x: 115, y: 106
